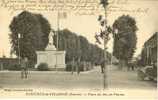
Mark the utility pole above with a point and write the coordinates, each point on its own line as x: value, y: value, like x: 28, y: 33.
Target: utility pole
x: 57, y: 38
x: 19, y: 36
x: 58, y: 25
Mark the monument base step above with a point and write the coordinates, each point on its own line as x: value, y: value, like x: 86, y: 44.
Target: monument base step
x: 57, y: 69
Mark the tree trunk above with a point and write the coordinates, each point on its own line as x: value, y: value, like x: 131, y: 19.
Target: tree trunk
x: 105, y: 81
x: 72, y: 67
x: 78, y: 66
x: 1, y: 66
x: 122, y: 64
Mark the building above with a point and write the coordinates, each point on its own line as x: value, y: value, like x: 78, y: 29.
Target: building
x: 149, y: 51
x: 6, y: 63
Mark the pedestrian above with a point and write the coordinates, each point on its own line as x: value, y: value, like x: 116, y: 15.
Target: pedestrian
x: 78, y: 67
x: 130, y: 66
x: 24, y: 68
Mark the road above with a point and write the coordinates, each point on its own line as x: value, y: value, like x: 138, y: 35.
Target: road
x: 127, y: 79
x: 65, y: 80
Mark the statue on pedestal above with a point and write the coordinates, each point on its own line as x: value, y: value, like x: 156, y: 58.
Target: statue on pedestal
x: 51, y: 35
x: 50, y: 45
x: 51, y: 56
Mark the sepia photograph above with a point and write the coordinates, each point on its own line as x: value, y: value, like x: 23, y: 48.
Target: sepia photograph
x: 79, y: 48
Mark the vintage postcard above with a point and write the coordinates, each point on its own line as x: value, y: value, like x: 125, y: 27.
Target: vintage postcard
x: 79, y: 48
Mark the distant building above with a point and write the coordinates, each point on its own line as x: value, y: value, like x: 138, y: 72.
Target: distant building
x: 5, y: 63
x: 149, y: 51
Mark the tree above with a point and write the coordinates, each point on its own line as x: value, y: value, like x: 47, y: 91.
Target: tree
x: 45, y: 30
x: 125, y: 40
x: 84, y: 48
x: 78, y: 49
x: 104, y: 34
x: 33, y: 29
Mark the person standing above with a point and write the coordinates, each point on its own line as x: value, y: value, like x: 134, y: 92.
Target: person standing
x: 24, y: 68
x: 102, y: 66
x: 78, y: 67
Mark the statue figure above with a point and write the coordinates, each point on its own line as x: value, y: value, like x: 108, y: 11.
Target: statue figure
x: 51, y: 35
x: 50, y: 45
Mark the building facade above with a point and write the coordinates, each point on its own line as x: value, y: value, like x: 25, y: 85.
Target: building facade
x: 149, y: 51
x: 6, y: 63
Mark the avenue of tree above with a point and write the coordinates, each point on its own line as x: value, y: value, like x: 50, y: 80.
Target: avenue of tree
x: 29, y: 33
x: 34, y: 30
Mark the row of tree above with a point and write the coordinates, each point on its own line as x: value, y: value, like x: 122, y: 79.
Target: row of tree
x: 34, y: 30
x: 29, y: 33
x: 78, y: 48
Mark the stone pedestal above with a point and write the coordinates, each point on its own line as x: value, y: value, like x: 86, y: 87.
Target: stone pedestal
x: 54, y: 59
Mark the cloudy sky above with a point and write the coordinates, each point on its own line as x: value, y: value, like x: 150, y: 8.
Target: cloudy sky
x: 145, y: 13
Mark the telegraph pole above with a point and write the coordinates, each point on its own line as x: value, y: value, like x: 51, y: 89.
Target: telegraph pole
x: 19, y: 36
x: 57, y: 38
x: 58, y: 25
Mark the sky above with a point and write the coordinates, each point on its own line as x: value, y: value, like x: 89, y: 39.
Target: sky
x: 87, y: 25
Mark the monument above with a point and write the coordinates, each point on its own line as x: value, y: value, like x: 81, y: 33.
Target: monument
x: 54, y: 58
